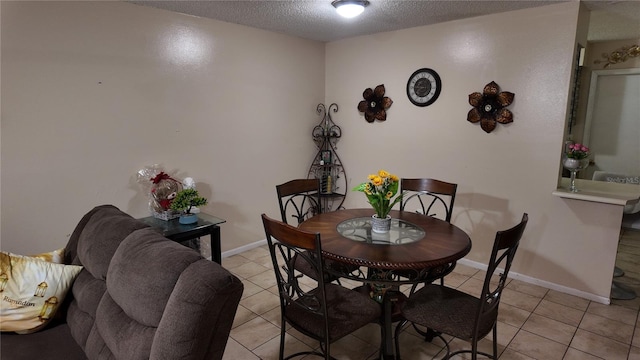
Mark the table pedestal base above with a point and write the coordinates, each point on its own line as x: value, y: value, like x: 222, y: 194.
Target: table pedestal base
x: 391, y: 304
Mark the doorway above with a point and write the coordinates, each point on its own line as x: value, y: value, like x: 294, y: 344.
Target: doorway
x: 612, y: 123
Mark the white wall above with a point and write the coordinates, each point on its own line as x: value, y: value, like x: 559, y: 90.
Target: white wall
x: 239, y: 120
x: 512, y: 170
x: 92, y: 92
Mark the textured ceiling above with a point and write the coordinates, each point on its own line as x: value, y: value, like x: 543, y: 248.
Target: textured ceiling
x: 614, y: 20
x: 317, y: 19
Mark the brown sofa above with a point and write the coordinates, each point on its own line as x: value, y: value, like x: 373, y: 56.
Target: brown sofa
x: 139, y: 296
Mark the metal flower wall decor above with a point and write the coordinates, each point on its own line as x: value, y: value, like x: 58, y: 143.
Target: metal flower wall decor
x: 375, y: 104
x: 489, y: 107
x: 620, y: 55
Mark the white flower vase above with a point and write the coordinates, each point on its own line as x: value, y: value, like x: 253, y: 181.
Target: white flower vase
x: 380, y: 226
x: 574, y: 165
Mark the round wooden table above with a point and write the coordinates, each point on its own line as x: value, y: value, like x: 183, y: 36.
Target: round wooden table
x: 416, y: 246
x: 441, y: 243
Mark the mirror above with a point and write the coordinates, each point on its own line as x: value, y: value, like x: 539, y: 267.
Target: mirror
x: 613, y: 112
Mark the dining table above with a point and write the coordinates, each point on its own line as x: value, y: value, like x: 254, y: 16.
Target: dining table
x: 414, y: 247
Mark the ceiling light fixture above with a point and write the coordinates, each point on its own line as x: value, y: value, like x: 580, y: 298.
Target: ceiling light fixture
x: 350, y: 8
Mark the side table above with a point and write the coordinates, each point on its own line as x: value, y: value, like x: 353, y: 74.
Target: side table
x: 206, y: 225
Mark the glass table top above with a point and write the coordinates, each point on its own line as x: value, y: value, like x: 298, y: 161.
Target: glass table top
x: 172, y: 227
x: 359, y: 229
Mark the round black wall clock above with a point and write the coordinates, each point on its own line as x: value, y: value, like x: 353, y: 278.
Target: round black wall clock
x: 423, y: 87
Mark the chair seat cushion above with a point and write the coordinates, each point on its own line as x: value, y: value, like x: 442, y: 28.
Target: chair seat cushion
x: 427, y: 275
x: 444, y: 309
x: 347, y: 310
x: 333, y: 266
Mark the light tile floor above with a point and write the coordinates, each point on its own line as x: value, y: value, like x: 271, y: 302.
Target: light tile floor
x: 534, y: 322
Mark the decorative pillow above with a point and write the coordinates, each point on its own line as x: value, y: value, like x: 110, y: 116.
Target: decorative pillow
x: 55, y: 256
x: 31, y: 290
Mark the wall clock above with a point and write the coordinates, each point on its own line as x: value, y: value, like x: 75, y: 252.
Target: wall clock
x: 423, y: 87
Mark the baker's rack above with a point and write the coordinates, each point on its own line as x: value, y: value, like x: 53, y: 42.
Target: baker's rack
x: 327, y: 165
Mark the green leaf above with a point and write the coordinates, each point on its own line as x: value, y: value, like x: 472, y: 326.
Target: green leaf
x: 187, y: 198
x: 360, y: 187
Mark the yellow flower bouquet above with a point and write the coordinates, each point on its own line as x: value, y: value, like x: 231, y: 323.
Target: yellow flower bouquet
x: 380, y: 190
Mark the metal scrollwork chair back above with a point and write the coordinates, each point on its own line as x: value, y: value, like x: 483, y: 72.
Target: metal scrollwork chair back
x: 428, y: 196
x: 323, y: 311
x: 299, y: 199
x: 450, y: 311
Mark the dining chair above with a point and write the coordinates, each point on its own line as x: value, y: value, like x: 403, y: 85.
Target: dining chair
x: 300, y: 199
x: 323, y: 311
x: 428, y: 196
x: 450, y: 311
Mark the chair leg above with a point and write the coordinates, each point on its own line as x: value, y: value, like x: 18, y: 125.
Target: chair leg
x: 474, y: 349
x: 428, y: 334
x: 397, y: 337
x: 495, y: 341
x: 282, y: 334
x: 324, y: 349
x: 432, y: 333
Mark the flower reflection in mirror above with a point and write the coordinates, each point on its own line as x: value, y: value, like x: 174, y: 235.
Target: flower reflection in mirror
x: 375, y: 104
x: 489, y: 107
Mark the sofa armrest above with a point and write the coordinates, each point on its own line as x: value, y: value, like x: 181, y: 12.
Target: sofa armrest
x: 199, y: 314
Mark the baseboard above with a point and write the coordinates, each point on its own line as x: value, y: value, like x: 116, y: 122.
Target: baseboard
x: 243, y: 248
x: 475, y: 265
x: 543, y: 283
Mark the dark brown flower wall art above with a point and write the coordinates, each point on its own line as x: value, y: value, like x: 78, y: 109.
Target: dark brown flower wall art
x: 489, y: 107
x: 375, y: 104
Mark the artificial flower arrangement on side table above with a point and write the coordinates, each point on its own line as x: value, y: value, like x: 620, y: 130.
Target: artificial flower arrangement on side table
x: 161, y: 188
x: 183, y: 202
x: 575, y: 159
x: 380, y: 190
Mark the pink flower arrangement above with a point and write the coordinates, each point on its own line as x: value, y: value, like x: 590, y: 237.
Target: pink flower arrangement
x: 577, y: 151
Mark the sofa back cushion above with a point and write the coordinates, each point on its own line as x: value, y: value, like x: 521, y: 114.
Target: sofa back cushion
x: 100, y: 238
x: 140, y: 280
x: 92, y: 245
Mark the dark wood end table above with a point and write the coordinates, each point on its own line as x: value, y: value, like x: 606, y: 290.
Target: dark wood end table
x: 206, y: 225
